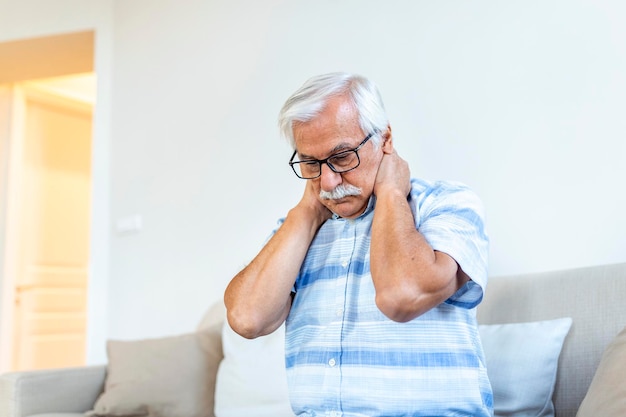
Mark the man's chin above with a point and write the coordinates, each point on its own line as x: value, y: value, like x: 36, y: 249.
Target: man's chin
x: 344, y: 207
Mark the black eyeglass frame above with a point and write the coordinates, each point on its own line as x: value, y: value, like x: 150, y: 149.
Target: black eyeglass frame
x: 325, y: 161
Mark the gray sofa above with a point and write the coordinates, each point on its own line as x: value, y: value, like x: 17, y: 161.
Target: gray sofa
x: 593, y: 297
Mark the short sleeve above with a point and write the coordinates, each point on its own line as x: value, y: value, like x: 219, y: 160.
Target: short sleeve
x: 450, y: 216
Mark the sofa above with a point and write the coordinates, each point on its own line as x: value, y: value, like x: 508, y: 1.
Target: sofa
x: 556, y: 338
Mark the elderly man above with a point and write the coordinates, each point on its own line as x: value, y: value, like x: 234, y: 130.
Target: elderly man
x: 377, y: 275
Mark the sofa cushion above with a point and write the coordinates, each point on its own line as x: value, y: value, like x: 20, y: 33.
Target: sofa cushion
x: 58, y: 415
x: 252, y: 380
x: 170, y: 377
x: 606, y: 396
x: 522, y: 361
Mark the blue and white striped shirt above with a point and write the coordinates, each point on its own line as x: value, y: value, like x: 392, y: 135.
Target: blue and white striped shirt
x: 345, y: 358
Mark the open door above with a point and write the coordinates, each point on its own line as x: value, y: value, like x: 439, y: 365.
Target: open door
x: 48, y: 225
x: 45, y: 187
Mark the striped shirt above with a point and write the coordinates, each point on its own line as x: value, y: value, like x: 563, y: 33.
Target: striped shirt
x: 345, y: 358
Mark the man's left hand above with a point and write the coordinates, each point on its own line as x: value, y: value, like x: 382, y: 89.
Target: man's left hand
x: 393, y: 174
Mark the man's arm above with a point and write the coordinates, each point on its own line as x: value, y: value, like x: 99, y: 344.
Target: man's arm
x: 258, y: 298
x: 409, y: 276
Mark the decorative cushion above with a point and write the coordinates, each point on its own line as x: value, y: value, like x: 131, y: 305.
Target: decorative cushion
x: 252, y: 380
x: 522, y: 361
x: 166, y: 377
x: 606, y: 396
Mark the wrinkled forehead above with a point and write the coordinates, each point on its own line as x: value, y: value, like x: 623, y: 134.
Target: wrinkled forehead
x: 321, y: 147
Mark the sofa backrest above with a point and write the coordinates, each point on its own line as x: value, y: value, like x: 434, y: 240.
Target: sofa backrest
x: 593, y: 297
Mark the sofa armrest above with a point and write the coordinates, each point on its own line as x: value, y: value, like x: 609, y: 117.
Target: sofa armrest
x: 53, y: 390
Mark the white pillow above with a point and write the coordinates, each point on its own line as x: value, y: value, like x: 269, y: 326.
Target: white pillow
x: 251, y: 380
x: 522, y: 361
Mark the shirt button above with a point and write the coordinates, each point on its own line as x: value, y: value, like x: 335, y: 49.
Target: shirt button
x: 344, y: 264
x: 339, y: 311
x: 332, y: 362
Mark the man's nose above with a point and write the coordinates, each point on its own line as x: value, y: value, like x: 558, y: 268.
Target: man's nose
x: 329, y: 179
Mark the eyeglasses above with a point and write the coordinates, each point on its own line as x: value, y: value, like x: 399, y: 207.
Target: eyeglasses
x: 340, y: 162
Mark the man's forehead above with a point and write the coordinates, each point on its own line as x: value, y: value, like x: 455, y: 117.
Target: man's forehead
x: 325, y: 148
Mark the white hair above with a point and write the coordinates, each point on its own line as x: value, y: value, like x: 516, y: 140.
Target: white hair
x: 309, y: 101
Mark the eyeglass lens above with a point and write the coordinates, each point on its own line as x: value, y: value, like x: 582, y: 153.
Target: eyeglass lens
x: 341, y: 162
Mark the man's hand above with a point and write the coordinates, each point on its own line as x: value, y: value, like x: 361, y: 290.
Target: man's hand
x: 311, y: 205
x: 393, y: 174
x: 409, y: 276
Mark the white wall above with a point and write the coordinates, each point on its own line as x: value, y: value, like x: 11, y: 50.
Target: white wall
x: 520, y: 99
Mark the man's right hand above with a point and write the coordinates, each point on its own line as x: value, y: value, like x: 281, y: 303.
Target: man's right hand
x: 311, y: 205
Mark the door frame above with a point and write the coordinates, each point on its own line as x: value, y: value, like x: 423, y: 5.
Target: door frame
x: 13, y: 221
x: 21, y: 95
x: 22, y: 54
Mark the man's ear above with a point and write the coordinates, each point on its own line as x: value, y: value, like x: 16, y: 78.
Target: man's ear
x: 387, y: 140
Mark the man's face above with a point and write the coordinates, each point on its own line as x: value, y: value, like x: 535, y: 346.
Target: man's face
x: 337, y: 129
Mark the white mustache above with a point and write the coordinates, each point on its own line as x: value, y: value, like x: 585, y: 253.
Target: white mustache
x: 341, y: 191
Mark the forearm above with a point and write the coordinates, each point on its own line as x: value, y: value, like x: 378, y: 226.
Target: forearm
x: 258, y: 299
x: 410, y: 277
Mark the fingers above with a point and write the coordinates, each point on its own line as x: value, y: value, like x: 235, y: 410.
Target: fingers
x: 310, y: 201
x: 393, y: 172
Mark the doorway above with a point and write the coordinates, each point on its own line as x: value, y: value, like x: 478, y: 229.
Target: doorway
x: 45, y: 186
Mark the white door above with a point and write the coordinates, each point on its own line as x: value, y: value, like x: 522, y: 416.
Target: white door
x: 47, y: 245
